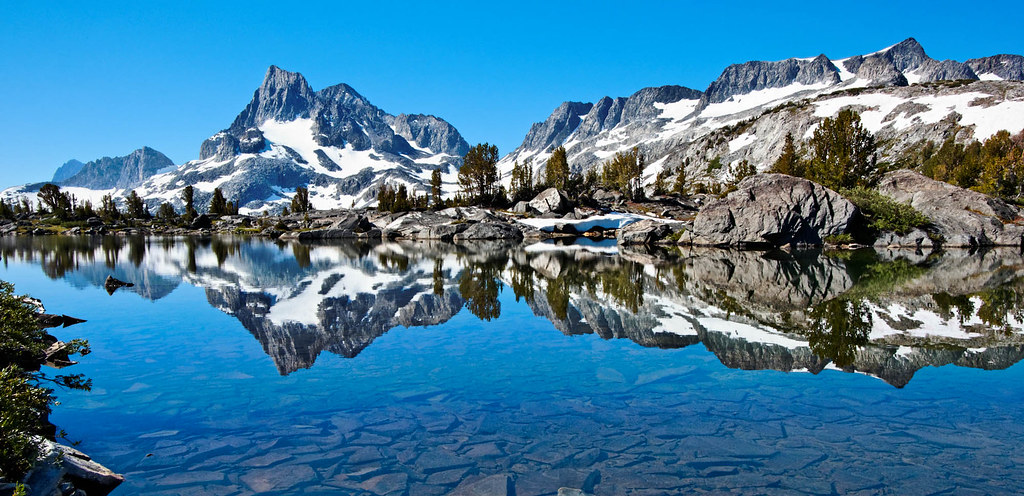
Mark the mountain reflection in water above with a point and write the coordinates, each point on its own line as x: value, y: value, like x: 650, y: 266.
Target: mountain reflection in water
x: 887, y: 314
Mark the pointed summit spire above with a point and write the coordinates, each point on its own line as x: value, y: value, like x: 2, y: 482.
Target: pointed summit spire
x: 282, y: 96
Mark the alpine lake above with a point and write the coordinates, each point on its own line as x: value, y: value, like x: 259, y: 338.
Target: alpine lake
x: 247, y: 366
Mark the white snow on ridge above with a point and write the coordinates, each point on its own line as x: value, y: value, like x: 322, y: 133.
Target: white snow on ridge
x: 1007, y: 115
x: 844, y: 75
x: 754, y: 99
x: 676, y: 111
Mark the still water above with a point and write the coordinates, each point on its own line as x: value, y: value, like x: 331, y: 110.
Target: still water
x: 238, y: 366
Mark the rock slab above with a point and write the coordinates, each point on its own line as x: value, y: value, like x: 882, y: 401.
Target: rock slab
x: 963, y: 218
x: 773, y: 210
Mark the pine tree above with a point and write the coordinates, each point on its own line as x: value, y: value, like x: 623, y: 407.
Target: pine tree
x: 218, y: 205
x: 843, y: 153
x: 556, y: 171
x: 789, y: 162
x: 166, y: 212
x: 300, y: 202
x: 522, y: 180
x: 435, y: 188
x: 188, y: 196
x: 57, y: 202
x: 623, y: 172
x: 135, y: 207
x: 108, y: 209
x: 479, y: 173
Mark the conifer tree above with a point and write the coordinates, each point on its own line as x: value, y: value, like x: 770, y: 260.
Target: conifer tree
x: 522, y: 180
x: 789, y: 162
x: 479, y: 173
x: 135, y: 208
x: 218, y: 204
x: 188, y: 196
x: 556, y: 171
x: 300, y: 202
x: 435, y: 187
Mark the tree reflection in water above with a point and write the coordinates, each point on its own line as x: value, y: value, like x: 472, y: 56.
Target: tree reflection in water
x: 479, y: 286
x: 838, y: 327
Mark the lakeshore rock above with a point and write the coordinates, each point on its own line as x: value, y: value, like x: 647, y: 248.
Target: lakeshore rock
x: 644, y: 232
x: 772, y: 209
x: 963, y: 218
x: 202, y: 222
x: 551, y: 200
x: 61, y: 465
x: 489, y: 230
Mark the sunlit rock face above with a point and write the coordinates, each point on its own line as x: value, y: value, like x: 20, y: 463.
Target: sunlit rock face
x: 887, y: 314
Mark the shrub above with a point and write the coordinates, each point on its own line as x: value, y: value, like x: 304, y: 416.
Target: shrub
x: 25, y: 405
x: 884, y: 213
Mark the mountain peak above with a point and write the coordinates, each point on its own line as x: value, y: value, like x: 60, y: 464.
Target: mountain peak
x: 68, y: 169
x: 283, y: 96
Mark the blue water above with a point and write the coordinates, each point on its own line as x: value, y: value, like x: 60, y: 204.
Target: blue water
x: 186, y: 401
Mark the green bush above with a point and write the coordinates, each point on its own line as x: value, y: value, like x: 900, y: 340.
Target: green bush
x: 23, y: 416
x: 884, y: 213
x: 24, y: 404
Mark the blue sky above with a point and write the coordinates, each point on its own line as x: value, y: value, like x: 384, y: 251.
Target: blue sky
x: 86, y: 81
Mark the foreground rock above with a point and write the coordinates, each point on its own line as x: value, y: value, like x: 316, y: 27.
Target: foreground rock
x: 65, y: 470
x: 963, y: 218
x: 774, y: 210
x: 644, y: 232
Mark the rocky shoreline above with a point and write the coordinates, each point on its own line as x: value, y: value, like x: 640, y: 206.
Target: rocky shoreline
x: 60, y: 470
x: 764, y: 211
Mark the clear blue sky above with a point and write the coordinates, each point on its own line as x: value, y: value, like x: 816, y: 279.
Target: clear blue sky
x: 85, y: 81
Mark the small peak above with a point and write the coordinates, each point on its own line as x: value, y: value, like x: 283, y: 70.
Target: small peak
x: 279, y: 77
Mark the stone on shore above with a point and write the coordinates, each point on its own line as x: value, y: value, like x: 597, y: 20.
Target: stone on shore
x: 644, y: 232
x: 60, y: 465
x: 551, y: 201
x: 772, y: 210
x: 963, y: 218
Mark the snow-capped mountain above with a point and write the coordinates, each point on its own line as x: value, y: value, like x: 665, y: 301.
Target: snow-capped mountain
x: 342, y: 147
x: 904, y: 96
x: 333, y: 140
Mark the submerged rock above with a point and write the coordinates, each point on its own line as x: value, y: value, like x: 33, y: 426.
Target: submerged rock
x: 111, y: 284
x: 772, y: 209
x: 963, y: 218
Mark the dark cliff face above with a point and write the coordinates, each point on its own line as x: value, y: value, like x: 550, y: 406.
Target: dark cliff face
x: 896, y: 66
x: 1005, y: 66
x: 557, y: 127
x: 744, y: 78
x: 124, y: 172
x: 283, y: 96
